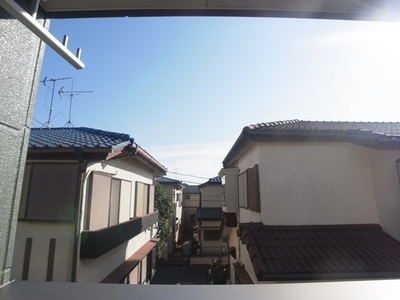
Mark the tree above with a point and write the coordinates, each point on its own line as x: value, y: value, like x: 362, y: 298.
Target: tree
x: 163, y: 203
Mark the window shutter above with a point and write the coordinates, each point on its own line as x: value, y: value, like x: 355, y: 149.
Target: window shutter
x: 99, y: 201
x: 253, y: 194
x: 139, y: 199
x: 114, y: 202
x: 242, y: 187
x: 125, y: 201
x: 151, y: 198
x: 53, y: 192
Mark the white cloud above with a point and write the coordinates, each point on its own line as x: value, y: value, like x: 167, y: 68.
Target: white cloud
x: 200, y: 159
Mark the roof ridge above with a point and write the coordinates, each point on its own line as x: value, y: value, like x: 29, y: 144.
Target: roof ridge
x: 122, y: 136
x: 269, y: 124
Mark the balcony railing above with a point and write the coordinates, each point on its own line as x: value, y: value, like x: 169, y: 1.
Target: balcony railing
x: 98, y: 242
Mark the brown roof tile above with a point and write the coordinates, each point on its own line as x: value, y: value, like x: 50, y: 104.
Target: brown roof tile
x: 321, y: 252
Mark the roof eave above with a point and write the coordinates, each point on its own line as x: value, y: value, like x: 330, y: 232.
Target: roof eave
x: 247, y: 137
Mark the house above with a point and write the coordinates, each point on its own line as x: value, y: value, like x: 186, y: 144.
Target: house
x: 313, y: 201
x: 209, y: 216
x: 174, y: 189
x: 191, y: 201
x: 87, y: 208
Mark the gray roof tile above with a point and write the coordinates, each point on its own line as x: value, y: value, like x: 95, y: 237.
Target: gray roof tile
x: 380, y: 128
x: 82, y: 137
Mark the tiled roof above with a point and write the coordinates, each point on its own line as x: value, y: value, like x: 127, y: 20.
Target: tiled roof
x: 376, y: 135
x: 214, y: 180
x: 379, y: 128
x: 321, y: 252
x: 191, y: 189
x: 168, y: 180
x: 209, y: 213
x: 51, y: 138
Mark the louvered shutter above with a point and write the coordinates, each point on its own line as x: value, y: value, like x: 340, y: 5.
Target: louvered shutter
x: 99, y: 201
x: 53, y: 192
x: 253, y: 194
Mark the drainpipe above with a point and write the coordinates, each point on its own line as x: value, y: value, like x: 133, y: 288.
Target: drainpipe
x: 83, y: 175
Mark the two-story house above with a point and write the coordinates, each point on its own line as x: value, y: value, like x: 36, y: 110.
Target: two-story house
x: 191, y: 202
x: 87, y: 208
x: 313, y: 201
x: 174, y: 189
x: 209, y: 216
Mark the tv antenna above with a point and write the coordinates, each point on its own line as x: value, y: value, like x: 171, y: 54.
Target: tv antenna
x: 71, y: 94
x: 48, y: 123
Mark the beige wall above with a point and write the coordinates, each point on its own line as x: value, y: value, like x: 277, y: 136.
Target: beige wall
x: 89, y: 270
x: 386, y: 189
x: 211, y: 195
x: 123, y: 168
x: 95, y: 270
x: 322, y: 183
x: 41, y: 233
x: 314, y: 183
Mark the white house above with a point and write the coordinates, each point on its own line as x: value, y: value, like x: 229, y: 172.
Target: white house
x: 313, y: 200
x: 87, y: 208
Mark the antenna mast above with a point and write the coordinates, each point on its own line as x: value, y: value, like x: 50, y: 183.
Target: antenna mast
x: 48, y: 123
x: 71, y: 94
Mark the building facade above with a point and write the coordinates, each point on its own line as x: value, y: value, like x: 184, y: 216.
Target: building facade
x: 300, y: 173
x: 87, y: 208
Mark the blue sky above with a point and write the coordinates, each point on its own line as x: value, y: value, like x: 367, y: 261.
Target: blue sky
x: 185, y: 87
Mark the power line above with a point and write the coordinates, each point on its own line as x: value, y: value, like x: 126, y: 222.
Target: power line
x: 188, y: 175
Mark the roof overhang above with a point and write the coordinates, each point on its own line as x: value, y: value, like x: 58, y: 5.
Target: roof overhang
x: 366, y: 139
x: 382, y: 10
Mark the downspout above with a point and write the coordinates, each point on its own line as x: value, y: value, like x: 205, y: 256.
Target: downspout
x: 78, y: 223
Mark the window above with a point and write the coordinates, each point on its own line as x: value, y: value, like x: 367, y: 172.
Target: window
x: 50, y: 192
x: 249, y: 195
x: 144, y: 199
x: 109, y: 201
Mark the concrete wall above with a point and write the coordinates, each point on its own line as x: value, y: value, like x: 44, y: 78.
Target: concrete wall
x: 21, y: 54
